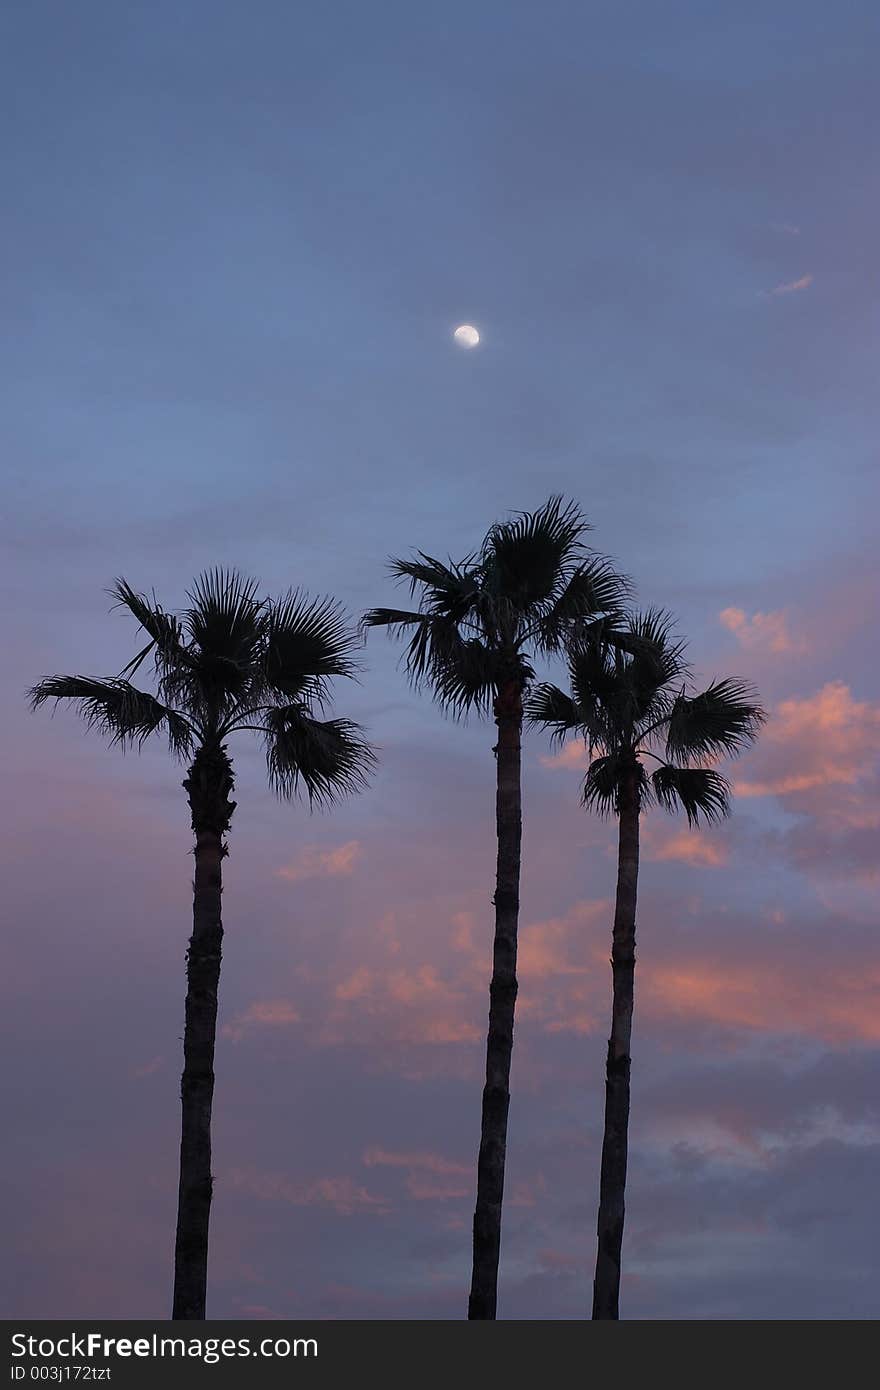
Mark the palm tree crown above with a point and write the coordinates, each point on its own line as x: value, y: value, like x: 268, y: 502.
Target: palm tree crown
x: 634, y: 697
x: 230, y: 662
x: 528, y: 587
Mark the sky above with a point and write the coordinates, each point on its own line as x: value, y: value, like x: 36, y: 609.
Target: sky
x: 236, y: 242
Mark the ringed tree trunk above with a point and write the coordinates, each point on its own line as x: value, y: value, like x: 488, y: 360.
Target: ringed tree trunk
x: 208, y: 785
x: 502, y: 1000
x: 606, y: 1287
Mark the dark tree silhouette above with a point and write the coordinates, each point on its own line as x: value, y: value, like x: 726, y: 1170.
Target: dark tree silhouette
x: 626, y: 700
x: 230, y: 662
x: 471, y: 640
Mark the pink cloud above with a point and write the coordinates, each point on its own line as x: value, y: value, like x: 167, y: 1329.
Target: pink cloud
x: 428, y: 1162
x: 343, y: 1195
x: 557, y: 1259
x: 429, y: 1177
x: 313, y: 862
x: 792, y: 286
x: 818, y: 741
x: 526, y: 1191
x: 557, y: 947
x: 269, y: 1013
x: 418, y: 1005
x: 762, y: 631
x: 688, y: 847
x: 356, y: 985
x: 834, y: 1003
x: 561, y: 967
x: 148, y: 1069
x: 573, y: 754
x: 431, y: 1189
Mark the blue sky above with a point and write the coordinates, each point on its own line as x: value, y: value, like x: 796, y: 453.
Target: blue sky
x: 236, y: 243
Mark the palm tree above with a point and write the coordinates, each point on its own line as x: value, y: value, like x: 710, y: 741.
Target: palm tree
x: 470, y: 640
x: 626, y: 701
x: 231, y: 662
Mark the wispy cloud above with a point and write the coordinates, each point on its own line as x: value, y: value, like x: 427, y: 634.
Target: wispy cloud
x: 343, y: 1195
x: 429, y: 1176
x: 267, y: 1013
x: 148, y: 1069
x: 429, y: 1162
x: 419, y: 1005
x: 313, y: 862
x: 689, y: 847
x: 792, y: 286
x: 835, y: 1003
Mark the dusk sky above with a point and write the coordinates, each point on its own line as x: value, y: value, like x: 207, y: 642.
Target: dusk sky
x: 236, y: 242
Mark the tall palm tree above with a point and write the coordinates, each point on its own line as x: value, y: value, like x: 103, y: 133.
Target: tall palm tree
x: 472, y: 639
x: 230, y: 662
x: 626, y: 701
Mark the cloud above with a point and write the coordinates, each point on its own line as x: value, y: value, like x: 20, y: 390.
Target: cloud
x: 343, y: 1195
x: 825, y: 1000
x: 429, y: 1177
x: 762, y: 631
x: 561, y: 966
x: 268, y: 1013
x: 148, y: 1069
x: 313, y: 862
x: 429, y: 1162
x: 556, y: 947
x: 418, y: 1005
x: 573, y: 754
x: 824, y: 739
x: 558, y: 1259
x: 688, y: 847
x: 792, y: 286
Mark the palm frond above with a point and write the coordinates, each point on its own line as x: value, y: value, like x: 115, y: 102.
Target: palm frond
x: 163, y: 629
x: 330, y: 758
x: 116, y: 708
x: 591, y: 668
x: 601, y: 790
x: 469, y: 675
x: 590, y: 595
x: 448, y: 591
x: 552, y: 709
x: 306, y: 641
x: 655, y: 659
x: 724, y: 718
x: 462, y: 672
x: 224, y: 617
x: 526, y: 557
x: 225, y: 624
x: 433, y: 643
x: 700, y: 792
x: 397, y: 620
x: 651, y: 635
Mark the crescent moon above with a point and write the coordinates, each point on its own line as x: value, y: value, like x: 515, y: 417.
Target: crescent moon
x: 466, y: 335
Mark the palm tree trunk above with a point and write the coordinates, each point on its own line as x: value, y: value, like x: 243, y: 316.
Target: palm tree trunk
x: 606, y: 1287
x: 502, y: 1001
x: 208, y: 785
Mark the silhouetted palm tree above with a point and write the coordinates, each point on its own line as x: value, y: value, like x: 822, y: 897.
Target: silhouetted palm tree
x: 470, y: 640
x: 231, y: 662
x: 625, y: 704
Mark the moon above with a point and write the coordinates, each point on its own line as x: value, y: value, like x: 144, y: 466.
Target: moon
x: 466, y: 335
